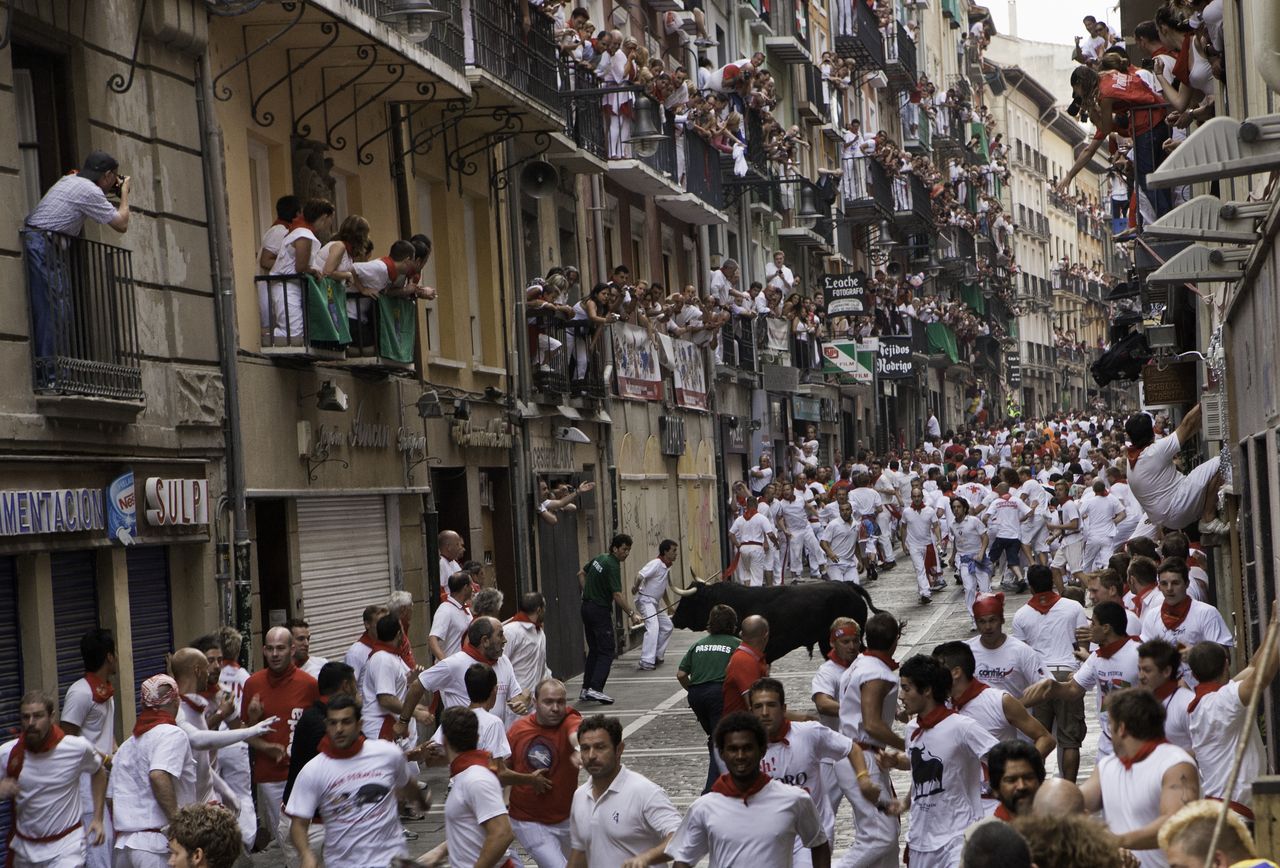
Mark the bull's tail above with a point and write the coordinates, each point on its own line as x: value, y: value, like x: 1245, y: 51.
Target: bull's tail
x: 866, y: 596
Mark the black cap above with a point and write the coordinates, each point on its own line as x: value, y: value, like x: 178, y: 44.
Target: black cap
x: 98, y: 164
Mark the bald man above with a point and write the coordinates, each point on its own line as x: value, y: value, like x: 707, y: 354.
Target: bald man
x: 746, y: 664
x: 452, y: 548
x: 1058, y: 797
x: 282, y: 692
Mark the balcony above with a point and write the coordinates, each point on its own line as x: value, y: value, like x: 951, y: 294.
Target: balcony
x: 446, y: 40
x: 566, y: 358
x: 948, y: 134
x: 515, y: 61
x: 860, y: 40
x: 698, y: 171
x: 956, y: 247
x: 584, y: 122
x: 911, y: 204
x: 84, y: 318
x: 900, y: 57
x: 789, y: 21
x: 814, y: 104
x: 868, y: 196
x: 954, y: 12
x: 917, y: 129
x: 656, y: 174
x: 738, y: 344
x: 973, y: 60
x: 384, y: 334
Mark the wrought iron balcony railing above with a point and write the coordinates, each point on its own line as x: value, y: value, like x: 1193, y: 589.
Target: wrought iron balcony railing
x: 858, y: 36
x: 84, y: 318
x: 911, y: 203
x: 702, y: 173
x: 525, y: 61
x: 566, y: 357
x: 584, y: 117
x: 445, y: 41
x: 901, y: 64
x: 868, y: 195
x: 815, y: 102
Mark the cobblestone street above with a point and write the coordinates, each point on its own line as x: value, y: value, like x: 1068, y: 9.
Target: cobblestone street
x: 663, y: 739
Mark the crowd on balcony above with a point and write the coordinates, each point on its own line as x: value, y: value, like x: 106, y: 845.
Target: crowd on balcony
x: 1067, y: 341
x: 1094, y: 272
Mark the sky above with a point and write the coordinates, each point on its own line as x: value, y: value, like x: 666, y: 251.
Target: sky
x: 1051, y: 20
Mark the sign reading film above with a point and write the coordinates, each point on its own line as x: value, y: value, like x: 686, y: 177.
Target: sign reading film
x: 844, y: 294
x: 894, y: 359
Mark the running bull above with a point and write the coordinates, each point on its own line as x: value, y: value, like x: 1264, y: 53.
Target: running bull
x: 799, y: 616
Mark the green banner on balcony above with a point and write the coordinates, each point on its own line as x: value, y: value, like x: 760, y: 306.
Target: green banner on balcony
x: 327, y: 311
x: 971, y: 294
x: 943, y: 340
x: 397, y: 328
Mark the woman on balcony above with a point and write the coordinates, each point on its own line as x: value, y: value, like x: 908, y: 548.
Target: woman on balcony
x: 590, y: 315
x: 295, y: 258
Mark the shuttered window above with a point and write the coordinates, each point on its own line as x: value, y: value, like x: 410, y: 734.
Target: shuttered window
x: 10, y: 672
x: 343, y: 560
x: 150, y: 619
x: 75, y: 611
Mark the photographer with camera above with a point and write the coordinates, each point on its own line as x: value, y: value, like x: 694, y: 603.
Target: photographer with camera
x: 62, y: 212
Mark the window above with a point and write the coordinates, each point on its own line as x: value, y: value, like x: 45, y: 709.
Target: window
x: 45, y: 143
x: 426, y: 225
x: 473, y: 279
x: 264, y: 209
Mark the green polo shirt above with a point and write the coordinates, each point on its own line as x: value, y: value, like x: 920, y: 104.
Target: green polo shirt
x: 604, y: 578
x: 707, y: 659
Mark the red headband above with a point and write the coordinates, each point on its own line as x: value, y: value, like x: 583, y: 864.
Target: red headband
x: 841, y: 632
x: 988, y: 604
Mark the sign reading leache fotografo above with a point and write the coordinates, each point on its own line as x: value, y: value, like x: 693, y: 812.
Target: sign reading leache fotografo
x: 844, y: 294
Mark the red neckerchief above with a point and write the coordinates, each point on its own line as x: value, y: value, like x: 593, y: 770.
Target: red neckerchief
x: 1002, y: 813
x: 476, y: 654
x: 1133, y: 452
x: 277, y: 681
x: 783, y: 732
x: 192, y: 704
x: 726, y: 786
x: 329, y: 749
x: 970, y: 693
x: 1203, y: 689
x: 150, y: 718
x: 18, y: 756
x: 406, y: 647
x: 1164, y: 691
x: 393, y: 650
x: 101, y: 689
x: 469, y: 758
x: 835, y: 658
x: 1102, y: 493
x: 1044, y: 601
x: 883, y: 658
x: 1106, y: 652
x: 522, y: 618
x: 1138, y: 598
x: 1143, y: 752
x: 930, y: 720
x: 208, y: 693
x: 365, y: 640
x: 1173, y: 616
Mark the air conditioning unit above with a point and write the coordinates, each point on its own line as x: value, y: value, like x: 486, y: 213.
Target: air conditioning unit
x: 1213, y: 420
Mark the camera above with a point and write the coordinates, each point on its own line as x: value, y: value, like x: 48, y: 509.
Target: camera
x: 1149, y: 64
x: 118, y: 189
x: 1074, y: 108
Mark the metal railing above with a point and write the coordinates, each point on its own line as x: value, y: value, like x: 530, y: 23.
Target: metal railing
x: 566, y: 357
x: 917, y: 129
x: 955, y: 244
x: 865, y: 180
x: 663, y: 160
x: 702, y: 174
x: 525, y: 61
x: 738, y: 342
x: 911, y: 198
x: 900, y: 54
x: 584, y: 116
x: 788, y: 18
x: 815, y: 90
x: 84, y: 318
x: 445, y: 40
x: 858, y: 37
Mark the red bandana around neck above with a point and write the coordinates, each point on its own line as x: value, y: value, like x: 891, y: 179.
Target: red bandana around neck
x: 522, y: 618
x: 18, y: 756
x: 192, y: 704
x: 1139, y: 599
x: 469, y: 758
x: 101, y: 688
x: 366, y: 640
x: 1003, y: 813
x: 476, y: 654
x: 1203, y: 689
x: 406, y: 648
x: 329, y: 749
x: 393, y: 650
x: 1143, y: 752
x: 1043, y: 602
x: 391, y: 268
x: 883, y: 658
x: 835, y: 658
x: 930, y: 720
x: 970, y: 693
x: 1106, y: 652
x: 726, y: 786
x: 1164, y: 691
x: 1173, y: 616
x: 783, y: 732
x: 150, y: 718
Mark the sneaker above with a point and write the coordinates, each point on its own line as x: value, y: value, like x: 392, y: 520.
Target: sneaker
x: 600, y: 697
x: 410, y: 836
x: 888, y: 565
x: 939, y: 586
x: 659, y: 662
x: 645, y: 667
x: 584, y: 695
x: 924, y: 601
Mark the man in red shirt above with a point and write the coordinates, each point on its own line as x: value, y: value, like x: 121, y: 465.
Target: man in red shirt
x: 283, y: 691
x: 746, y: 664
x: 547, y: 741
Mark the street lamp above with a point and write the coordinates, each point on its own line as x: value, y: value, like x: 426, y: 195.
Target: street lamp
x: 414, y: 18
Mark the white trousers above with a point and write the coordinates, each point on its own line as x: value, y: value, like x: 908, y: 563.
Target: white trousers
x: 69, y: 852
x: 547, y: 844
x: 875, y: 843
x: 286, y: 309
x: 917, y: 554
x: 975, y: 578
x: 843, y: 572
x: 752, y: 560
x: 943, y: 857
x: 802, y: 543
x: 884, y: 521
x: 99, y: 856
x: 127, y: 857
x: 315, y: 838
x: 233, y: 766
x: 269, y: 798
x: 1096, y: 554
x: 657, y: 629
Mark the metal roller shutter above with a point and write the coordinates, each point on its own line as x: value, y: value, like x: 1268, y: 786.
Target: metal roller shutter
x: 149, y: 613
x: 342, y: 553
x: 10, y: 672
x: 75, y: 611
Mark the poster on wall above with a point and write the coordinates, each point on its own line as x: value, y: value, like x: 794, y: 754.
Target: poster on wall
x: 635, y: 360
x: 853, y: 361
x: 689, y: 375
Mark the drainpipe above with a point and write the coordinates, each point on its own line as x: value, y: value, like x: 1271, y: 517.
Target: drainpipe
x: 215, y: 198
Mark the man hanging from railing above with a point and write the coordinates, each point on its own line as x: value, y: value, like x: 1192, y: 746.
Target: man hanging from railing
x: 47, y: 234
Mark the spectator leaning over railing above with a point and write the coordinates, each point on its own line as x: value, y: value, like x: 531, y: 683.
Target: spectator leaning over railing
x: 295, y: 258
x: 74, y: 198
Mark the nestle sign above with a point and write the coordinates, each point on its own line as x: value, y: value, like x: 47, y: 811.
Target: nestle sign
x: 844, y: 294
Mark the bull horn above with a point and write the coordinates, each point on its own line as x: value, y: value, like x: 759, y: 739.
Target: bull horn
x: 684, y: 592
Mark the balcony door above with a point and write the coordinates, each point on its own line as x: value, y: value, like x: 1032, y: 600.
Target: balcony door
x: 42, y: 102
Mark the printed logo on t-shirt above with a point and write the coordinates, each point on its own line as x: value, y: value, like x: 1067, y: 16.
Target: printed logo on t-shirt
x: 540, y: 754
x: 987, y: 673
x: 926, y: 774
x: 355, y: 799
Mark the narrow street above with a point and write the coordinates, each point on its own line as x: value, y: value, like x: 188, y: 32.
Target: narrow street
x: 662, y: 737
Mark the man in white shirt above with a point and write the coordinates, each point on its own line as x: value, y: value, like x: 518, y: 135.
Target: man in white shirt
x: 476, y: 824
x: 1180, y: 620
x: 482, y: 690
x: 918, y: 530
x: 41, y: 772
x: 302, y: 658
x: 452, y: 548
x: 724, y: 283
x: 526, y: 646
x: 840, y: 542
x: 650, y: 592
x: 1108, y: 586
x: 451, y: 618
x: 1002, y: 661
x: 153, y: 774
x: 778, y: 276
x: 932, y: 427
x: 618, y: 817
x: 1158, y: 666
x: 1004, y: 514
x: 1035, y: 531
x: 233, y: 761
x: 1169, y: 498
x: 288, y: 209
x: 1145, y: 781
x: 384, y: 682
x: 761, y: 474
x: 352, y: 785
x: 1099, y: 516
x: 1064, y: 534
x: 751, y: 532
x: 89, y: 711
x: 748, y: 818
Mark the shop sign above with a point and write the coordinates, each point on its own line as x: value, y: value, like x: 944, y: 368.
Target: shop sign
x: 1013, y: 368
x: 550, y: 455
x: 172, y: 502
x: 806, y: 409
x: 734, y: 437
x: 25, y: 512
x: 368, y: 435
x: 853, y: 361
x: 1175, y: 384
x: 496, y: 436
x: 893, y: 362
x: 122, y: 510
x: 844, y: 294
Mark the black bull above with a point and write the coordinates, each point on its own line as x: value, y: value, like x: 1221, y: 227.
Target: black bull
x: 799, y: 616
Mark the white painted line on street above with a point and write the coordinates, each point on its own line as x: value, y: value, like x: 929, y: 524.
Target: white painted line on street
x: 636, y: 725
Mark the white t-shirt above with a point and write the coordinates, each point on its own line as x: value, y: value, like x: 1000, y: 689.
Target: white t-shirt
x: 864, y: 669
x: 449, y: 624
x: 920, y: 525
x: 751, y: 530
x: 356, y: 799
x: 986, y: 709
x: 782, y: 277
x: 384, y: 673
x: 946, y: 771
x: 475, y: 797
x: 1052, y: 635
x: 1116, y: 672
x: 843, y: 539
x: 1065, y: 513
x: 974, y: 493
x: 356, y: 657
x: 272, y: 237
x: 493, y: 734
x: 792, y: 516
x: 526, y: 649
x: 1177, y: 722
x: 797, y: 760
x: 134, y: 808
x: 865, y: 501
x: 759, y: 482
x: 1202, y: 624
x: 1155, y: 483
x: 95, y: 719
x: 447, y: 569
x: 448, y: 677
x: 827, y: 680
x: 1004, y: 516
x: 1098, y: 518
x: 633, y: 815
x: 1131, y: 797
x: 286, y: 256
x: 759, y: 832
x: 313, y: 665
x: 1215, y: 732
x: 1013, y: 667
x: 968, y: 535
x: 48, y: 800
x: 653, y: 578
